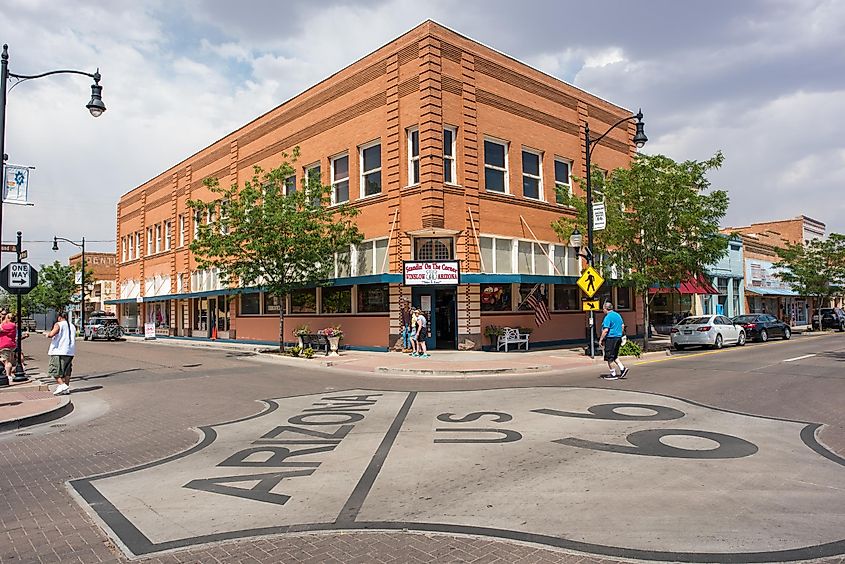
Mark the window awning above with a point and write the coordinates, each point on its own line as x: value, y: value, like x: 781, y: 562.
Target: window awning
x: 770, y: 291
x: 692, y: 285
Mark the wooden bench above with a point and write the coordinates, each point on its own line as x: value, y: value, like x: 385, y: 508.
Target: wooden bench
x: 511, y: 337
x: 316, y: 342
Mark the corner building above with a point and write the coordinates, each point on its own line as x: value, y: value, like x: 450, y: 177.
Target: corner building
x: 452, y: 152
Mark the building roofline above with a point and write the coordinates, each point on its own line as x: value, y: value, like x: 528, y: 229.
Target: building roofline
x: 429, y: 22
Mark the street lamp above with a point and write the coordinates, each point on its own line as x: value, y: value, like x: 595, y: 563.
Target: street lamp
x: 82, y: 280
x: 95, y: 105
x: 590, y: 144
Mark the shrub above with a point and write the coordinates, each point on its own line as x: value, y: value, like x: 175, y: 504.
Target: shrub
x: 294, y: 351
x: 630, y: 349
x: 307, y: 352
x: 302, y: 330
x: 493, y: 331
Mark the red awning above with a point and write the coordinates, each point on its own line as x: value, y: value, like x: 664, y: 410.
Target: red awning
x: 692, y: 285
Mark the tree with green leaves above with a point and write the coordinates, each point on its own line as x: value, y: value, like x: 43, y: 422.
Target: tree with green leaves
x: 271, y: 235
x: 662, y: 222
x: 55, y: 289
x: 816, y: 270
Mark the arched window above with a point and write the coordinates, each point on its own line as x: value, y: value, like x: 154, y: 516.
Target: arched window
x: 434, y: 249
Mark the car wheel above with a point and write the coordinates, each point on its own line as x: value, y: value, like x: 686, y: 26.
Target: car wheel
x: 740, y: 341
x: 787, y: 333
x: 718, y: 343
x: 764, y: 336
x: 679, y: 347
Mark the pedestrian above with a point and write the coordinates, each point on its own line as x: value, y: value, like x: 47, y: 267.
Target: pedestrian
x: 62, y: 350
x: 422, y: 333
x: 405, y: 320
x: 611, y: 340
x: 413, y: 333
x: 8, y: 343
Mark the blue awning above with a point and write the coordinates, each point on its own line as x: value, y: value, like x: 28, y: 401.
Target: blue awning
x: 770, y: 291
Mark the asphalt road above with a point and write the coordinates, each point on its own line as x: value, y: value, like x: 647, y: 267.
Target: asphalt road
x: 732, y: 455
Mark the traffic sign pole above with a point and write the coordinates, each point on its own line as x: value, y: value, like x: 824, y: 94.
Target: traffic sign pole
x: 20, y: 374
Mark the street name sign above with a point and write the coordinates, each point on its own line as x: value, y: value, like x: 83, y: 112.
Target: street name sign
x: 8, y: 248
x: 590, y: 281
x: 18, y: 278
x: 590, y: 305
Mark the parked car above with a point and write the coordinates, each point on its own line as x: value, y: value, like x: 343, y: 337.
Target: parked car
x: 832, y: 318
x: 708, y: 330
x: 27, y: 324
x: 102, y: 327
x: 761, y: 326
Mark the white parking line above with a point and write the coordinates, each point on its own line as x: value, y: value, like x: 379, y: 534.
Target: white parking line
x: 799, y: 358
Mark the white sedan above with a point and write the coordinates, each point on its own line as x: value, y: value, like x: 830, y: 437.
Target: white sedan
x: 709, y: 330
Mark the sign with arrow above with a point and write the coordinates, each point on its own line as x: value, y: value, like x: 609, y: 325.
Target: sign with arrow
x: 18, y: 278
x: 590, y: 305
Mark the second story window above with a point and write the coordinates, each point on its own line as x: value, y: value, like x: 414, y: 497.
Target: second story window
x: 181, y: 230
x: 123, y: 249
x: 149, y: 241
x: 197, y: 221
x: 158, y: 238
x: 167, y: 234
x: 563, y: 181
x: 450, y: 173
x: 290, y: 184
x: 137, y: 244
x: 496, y: 166
x: 340, y: 179
x: 413, y: 156
x: 532, y: 180
x: 371, y: 169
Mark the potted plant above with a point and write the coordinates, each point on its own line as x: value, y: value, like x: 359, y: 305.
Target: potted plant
x: 493, y: 332
x: 299, y: 332
x: 334, y: 335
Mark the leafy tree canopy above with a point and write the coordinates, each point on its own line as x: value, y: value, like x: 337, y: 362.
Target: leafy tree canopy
x: 817, y: 269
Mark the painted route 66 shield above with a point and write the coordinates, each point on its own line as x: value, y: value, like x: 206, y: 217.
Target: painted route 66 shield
x: 616, y: 473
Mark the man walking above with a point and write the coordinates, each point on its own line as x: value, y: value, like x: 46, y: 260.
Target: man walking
x: 611, y: 340
x: 405, y: 320
x: 62, y: 349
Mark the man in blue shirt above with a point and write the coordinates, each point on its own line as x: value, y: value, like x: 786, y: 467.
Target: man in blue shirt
x: 611, y: 340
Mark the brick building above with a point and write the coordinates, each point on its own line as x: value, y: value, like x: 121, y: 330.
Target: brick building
x: 451, y: 150
x: 764, y: 291
x: 104, y: 269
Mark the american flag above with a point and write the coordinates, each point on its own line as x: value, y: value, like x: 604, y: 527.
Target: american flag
x: 538, y: 304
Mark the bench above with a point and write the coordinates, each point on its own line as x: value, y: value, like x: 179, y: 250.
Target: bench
x: 316, y: 342
x: 511, y: 337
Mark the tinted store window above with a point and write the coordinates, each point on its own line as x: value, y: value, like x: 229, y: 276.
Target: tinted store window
x: 271, y: 304
x: 496, y: 297
x: 623, y: 297
x: 250, y: 304
x: 567, y: 298
x: 373, y: 298
x: 337, y: 299
x: 303, y: 301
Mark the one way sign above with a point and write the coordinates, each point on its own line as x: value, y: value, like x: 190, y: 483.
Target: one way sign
x: 18, y: 277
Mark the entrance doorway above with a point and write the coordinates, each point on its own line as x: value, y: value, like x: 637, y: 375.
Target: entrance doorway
x: 440, y: 306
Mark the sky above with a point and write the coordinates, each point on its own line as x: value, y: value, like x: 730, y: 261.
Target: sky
x: 762, y: 81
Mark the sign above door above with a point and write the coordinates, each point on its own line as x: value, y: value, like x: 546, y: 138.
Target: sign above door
x: 431, y: 273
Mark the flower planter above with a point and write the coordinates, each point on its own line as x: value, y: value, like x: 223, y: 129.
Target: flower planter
x: 334, y: 342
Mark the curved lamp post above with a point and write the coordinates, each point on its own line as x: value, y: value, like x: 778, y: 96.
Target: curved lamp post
x: 82, y: 285
x: 575, y: 240
x: 95, y: 105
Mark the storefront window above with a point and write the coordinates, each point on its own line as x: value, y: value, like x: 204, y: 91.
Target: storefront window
x: 623, y: 297
x: 486, y: 246
x: 200, y: 314
x: 250, y: 304
x: 373, y: 298
x: 504, y: 256
x: 566, y: 298
x: 157, y: 313
x: 337, y: 299
x: 271, y: 304
x: 223, y: 313
x: 525, y: 290
x: 303, y: 301
x: 496, y: 297
x: 523, y: 257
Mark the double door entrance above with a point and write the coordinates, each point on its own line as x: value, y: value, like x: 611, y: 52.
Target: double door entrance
x: 440, y: 306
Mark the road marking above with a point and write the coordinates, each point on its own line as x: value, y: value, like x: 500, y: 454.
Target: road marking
x: 726, y: 350
x: 799, y: 358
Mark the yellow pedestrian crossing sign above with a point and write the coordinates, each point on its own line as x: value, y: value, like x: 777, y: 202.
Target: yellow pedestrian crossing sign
x: 590, y: 305
x: 590, y: 281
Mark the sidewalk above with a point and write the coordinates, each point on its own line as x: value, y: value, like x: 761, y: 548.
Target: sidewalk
x: 27, y: 403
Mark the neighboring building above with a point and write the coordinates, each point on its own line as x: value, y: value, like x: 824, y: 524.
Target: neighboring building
x: 451, y: 151
x: 104, y: 289
x: 765, y: 291
x: 728, y: 279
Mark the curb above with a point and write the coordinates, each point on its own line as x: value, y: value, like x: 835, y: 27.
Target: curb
x: 467, y: 372
x: 64, y: 408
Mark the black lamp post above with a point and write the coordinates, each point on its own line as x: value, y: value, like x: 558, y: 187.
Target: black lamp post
x: 82, y: 285
x: 590, y: 144
x: 95, y: 105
